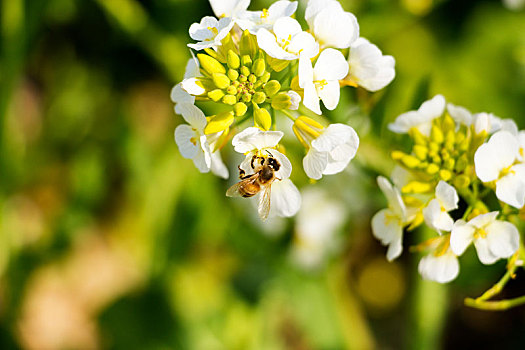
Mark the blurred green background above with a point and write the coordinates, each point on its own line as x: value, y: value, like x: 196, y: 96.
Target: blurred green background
x: 110, y: 239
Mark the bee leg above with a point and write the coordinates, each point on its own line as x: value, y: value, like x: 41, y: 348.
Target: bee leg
x: 253, y: 159
x: 242, y: 173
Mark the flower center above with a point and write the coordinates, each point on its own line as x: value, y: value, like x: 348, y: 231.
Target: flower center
x: 508, y: 170
x: 286, y: 42
x: 480, y: 233
x: 213, y: 30
x: 320, y: 83
x: 264, y: 14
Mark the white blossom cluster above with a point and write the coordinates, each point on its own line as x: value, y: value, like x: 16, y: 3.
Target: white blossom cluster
x: 458, y: 161
x: 260, y: 65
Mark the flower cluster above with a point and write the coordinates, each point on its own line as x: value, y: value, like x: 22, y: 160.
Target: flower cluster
x: 464, y: 177
x: 257, y: 66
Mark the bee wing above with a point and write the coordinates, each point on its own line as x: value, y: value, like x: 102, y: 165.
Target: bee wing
x: 234, y: 190
x: 264, y: 202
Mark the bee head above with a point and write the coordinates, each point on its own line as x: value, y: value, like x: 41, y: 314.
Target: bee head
x: 273, y: 163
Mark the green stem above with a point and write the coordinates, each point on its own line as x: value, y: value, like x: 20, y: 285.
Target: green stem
x: 498, y: 287
x: 288, y: 114
x: 499, y: 305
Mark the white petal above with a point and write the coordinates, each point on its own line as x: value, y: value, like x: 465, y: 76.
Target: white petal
x: 314, y: 163
x: 285, y: 198
x: 192, y: 69
x: 395, y: 248
x: 483, y: 220
x: 436, y: 218
x: 282, y: 8
x: 304, y: 44
x: 200, y: 31
x: 329, y: 93
x: 285, y: 28
x: 442, y: 269
x: 228, y: 8
x: 193, y: 87
x: 315, y: 6
x: 333, y: 136
x: 461, y: 237
x: 187, y: 140
x: 331, y: 65
x: 246, y: 164
x: 311, y: 99
x: 492, y: 157
x: 306, y: 72
x: 254, y: 139
x: 268, y: 43
x: 193, y: 116
x: 202, y: 160
x: 335, y: 28
x: 503, y: 239
x: 484, y: 254
x: 486, y: 122
x: 447, y: 196
x: 386, y: 228
x: 202, y: 45
x: 393, y: 196
x: 460, y: 114
x: 217, y: 165
x: 433, y: 108
x: 285, y: 169
x: 510, y: 126
x: 179, y: 96
x: 510, y: 189
x: 295, y: 99
x: 368, y: 67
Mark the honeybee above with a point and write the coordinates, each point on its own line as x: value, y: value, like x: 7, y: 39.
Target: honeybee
x: 261, y: 180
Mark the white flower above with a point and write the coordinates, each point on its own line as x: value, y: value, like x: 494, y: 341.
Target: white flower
x: 217, y: 165
x: 441, y: 268
x: 436, y: 212
x: 288, y: 40
x: 252, y: 141
x: 514, y: 5
x: 330, y: 24
x: 420, y: 119
x: 180, y: 96
x: 329, y: 149
x: 387, y: 224
x: 322, y: 81
x: 229, y: 8
x: 295, y: 99
x: 256, y: 20
x: 495, y: 161
x: 209, y: 32
x: 191, y: 139
x: 285, y: 197
x: 316, y: 225
x: 492, y: 238
x: 369, y: 68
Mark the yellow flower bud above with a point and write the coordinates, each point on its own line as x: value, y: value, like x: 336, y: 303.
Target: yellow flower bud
x: 231, y: 90
x: 449, y: 163
x: 259, y: 67
x: 265, y: 77
x: 432, y: 169
x: 252, y: 78
x: 262, y: 118
x: 417, y: 187
x: 397, y: 155
x: 281, y: 101
x: 219, y: 123
x: 410, y: 161
x: 240, y: 109
x: 272, y: 87
x: 248, y: 44
x: 233, y: 74
x: 229, y: 100
x: 436, y: 135
x: 259, y: 97
x: 221, y: 80
x: 420, y: 151
x: 445, y: 174
x: 233, y: 60
x: 216, y: 95
x: 210, y: 64
x: 417, y: 136
x: 245, y: 71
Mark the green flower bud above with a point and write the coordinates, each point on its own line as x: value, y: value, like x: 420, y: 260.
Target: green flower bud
x: 248, y: 44
x: 449, y: 163
x: 259, y: 97
x: 216, y: 95
x: 246, y: 61
x: 210, y: 64
x: 233, y: 74
x: 265, y: 77
x: 272, y: 87
x: 221, y: 80
x: 281, y: 101
x: 259, y: 67
x: 240, y: 109
x: 233, y: 60
x: 220, y: 122
x: 229, y: 100
x: 252, y: 78
x: 461, y: 163
x: 461, y: 181
x: 231, y: 90
x: 262, y: 118
x: 245, y: 71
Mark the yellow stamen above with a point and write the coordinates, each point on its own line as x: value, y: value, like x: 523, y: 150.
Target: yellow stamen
x: 214, y: 30
x: 320, y: 83
x: 264, y: 14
